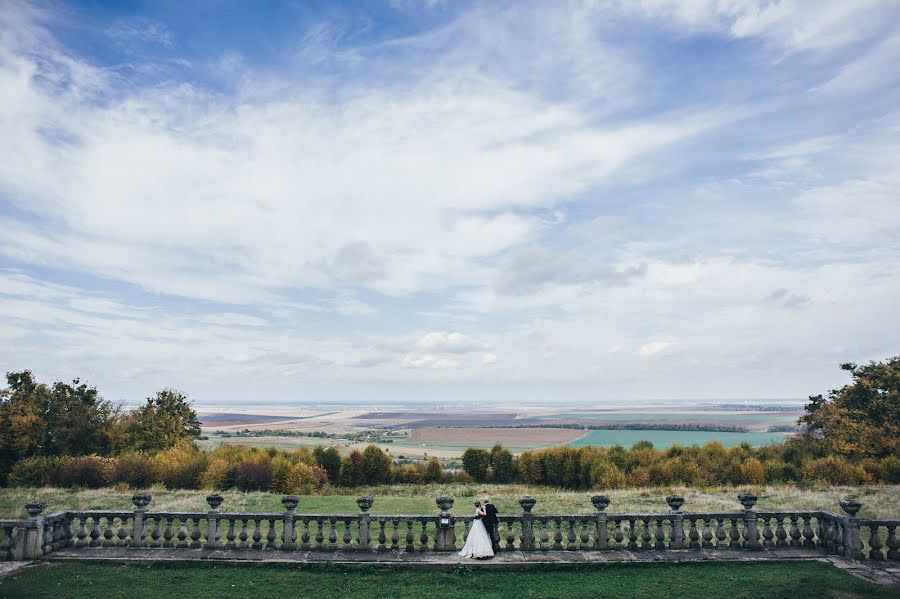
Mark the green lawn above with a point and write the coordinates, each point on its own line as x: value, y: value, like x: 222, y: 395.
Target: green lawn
x: 94, y: 580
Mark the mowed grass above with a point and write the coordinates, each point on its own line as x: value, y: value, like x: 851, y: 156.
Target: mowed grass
x: 879, y: 501
x: 93, y: 580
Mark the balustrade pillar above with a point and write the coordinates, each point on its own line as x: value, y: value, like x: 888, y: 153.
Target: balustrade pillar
x: 31, y: 537
x: 365, y: 504
x: 852, y: 543
x: 212, y: 522
x: 140, y: 501
x: 445, y: 537
x: 527, y: 541
x: 601, y: 502
x: 677, y: 540
x: 287, y: 534
x: 751, y: 532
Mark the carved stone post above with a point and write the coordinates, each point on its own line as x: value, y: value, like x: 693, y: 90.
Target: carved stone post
x: 445, y: 538
x: 140, y: 501
x: 527, y: 502
x: 751, y: 533
x: 287, y: 535
x: 852, y: 543
x: 601, y: 502
x: 212, y: 519
x: 675, y: 502
x: 365, y: 504
x: 34, y: 531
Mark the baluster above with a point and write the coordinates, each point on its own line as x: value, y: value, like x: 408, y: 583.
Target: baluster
x: 545, y: 536
x: 780, y: 532
x: 618, y: 536
x: 169, y: 533
x: 875, y: 544
x: 820, y: 533
x: 734, y: 535
x: 257, y: 534
x: 108, y: 532
x: 693, y: 535
x: 795, y: 532
x: 721, y: 537
x: 570, y: 535
x: 632, y: 534
x: 645, y: 534
x: 122, y: 533
x: 348, y: 533
x: 182, y: 533
x: 423, y: 537
x: 155, y: 532
x: 557, y: 533
x: 272, y: 537
x: 585, y: 535
x: 660, y: 534
x: 410, y: 537
x: 893, y: 543
x: 230, y: 535
x: 244, y: 535
x: 304, y: 539
x: 381, y: 536
x: 707, y: 534
x: 82, y: 532
x: 511, y: 536
x: 466, y: 529
x: 768, y: 535
x: 6, y: 543
x: 808, y: 533
x: 395, y: 536
x: 195, y: 533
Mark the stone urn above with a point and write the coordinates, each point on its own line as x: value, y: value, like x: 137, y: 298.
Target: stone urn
x: 748, y: 500
x: 675, y: 502
x: 365, y: 502
x: 444, y: 502
x: 35, y: 508
x: 141, y: 500
x: 290, y: 502
x: 527, y: 502
x: 601, y: 502
x: 214, y: 500
x: 851, y: 507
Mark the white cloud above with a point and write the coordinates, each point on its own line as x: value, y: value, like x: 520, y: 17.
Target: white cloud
x: 653, y: 348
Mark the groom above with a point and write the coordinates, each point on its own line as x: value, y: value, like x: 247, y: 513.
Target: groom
x: 490, y: 522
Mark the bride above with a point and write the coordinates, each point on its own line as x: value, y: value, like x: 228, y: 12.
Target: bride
x: 478, y: 544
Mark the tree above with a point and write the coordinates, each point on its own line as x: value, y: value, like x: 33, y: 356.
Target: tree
x: 376, y: 466
x: 58, y: 420
x: 476, y: 463
x: 861, y: 419
x: 434, y: 472
x: 330, y: 460
x: 352, y: 469
x: 163, y: 422
x: 502, y: 464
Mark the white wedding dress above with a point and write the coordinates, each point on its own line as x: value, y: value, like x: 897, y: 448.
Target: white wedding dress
x: 478, y: 543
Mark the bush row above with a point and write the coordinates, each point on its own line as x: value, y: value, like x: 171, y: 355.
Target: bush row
x: 305, y: 471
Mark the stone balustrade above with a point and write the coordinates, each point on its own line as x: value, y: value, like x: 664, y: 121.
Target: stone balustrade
x: 747, y: 529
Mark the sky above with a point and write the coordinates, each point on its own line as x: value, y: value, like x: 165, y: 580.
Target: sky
x: 453, y: 201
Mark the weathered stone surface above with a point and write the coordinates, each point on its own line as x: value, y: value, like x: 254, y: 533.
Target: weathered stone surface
x: 600, y: 502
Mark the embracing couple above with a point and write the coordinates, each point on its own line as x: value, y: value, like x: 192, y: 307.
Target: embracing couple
x: 481, y: 541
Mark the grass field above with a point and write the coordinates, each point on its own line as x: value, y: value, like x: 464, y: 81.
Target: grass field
x: 878, y: 501
x: 93, y: 580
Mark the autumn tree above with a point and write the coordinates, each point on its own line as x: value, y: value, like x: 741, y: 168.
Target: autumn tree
x: 376, y: 466
x: 163, y: 421
x: 434, y: 472
x: 330, y: 460
x: 502, y: 464
x: 476, y: 463
x: 861, y: 419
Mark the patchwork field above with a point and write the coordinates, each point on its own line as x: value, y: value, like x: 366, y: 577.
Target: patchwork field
x: 511, y: 437
x: 664, y: 439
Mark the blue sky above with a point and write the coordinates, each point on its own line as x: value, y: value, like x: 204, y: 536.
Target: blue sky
x: 415, y: 200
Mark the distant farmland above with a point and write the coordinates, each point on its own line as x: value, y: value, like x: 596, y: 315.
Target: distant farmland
x: 664, y: 439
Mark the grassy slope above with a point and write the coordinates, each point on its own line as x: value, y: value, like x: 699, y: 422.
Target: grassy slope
x: 878, y: 501
x: 201, y: 580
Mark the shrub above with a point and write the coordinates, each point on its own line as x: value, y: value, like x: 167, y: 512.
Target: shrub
x: 254, y: 474
x: 217, y: 475
x: 834, y: 470
x: 36, y: 471
x: 606, y: 475
x: 180, y: 467
x: 86, y: 471
x: 639, y: 477
x: 303, y: 479
x: 753, y: 472
x: 891, y: 467
x: 434, y: 472
x: 133, y: 469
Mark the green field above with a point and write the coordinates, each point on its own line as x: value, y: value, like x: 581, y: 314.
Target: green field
x: 664, y: 439
x: 95, y: 580
x: 735, y: 417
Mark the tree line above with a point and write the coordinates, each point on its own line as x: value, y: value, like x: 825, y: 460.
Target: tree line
x: 67, y: 435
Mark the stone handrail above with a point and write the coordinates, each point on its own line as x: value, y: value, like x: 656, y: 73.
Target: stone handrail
x: 747, y: 529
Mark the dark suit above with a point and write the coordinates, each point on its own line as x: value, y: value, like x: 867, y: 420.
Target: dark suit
x: 490, y: 524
